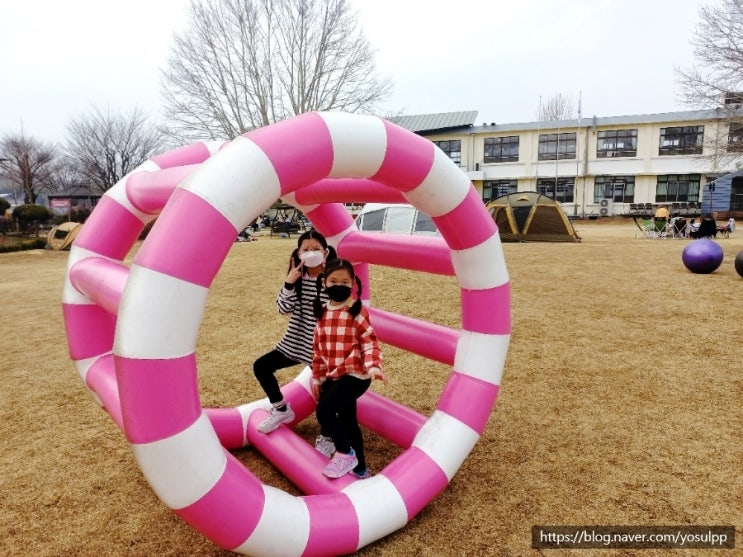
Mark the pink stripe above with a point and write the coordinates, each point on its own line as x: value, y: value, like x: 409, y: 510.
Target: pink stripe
x: 334, y: 526
x: 487, y: 311
x: 330, y: 219
x: 90, y: 330
x: 417, y: 478
x: 150, y: 191
x: 210, y: 237
x: 190, y: 154
x: 342, y: 190
x: 402, y: 251
x: 101, y: 280
x: 362, y: 271
x: 436, y: 342
x: 408, y: 159
x: 101, y: 379
x: 469, y: 400
x: 110, y: 230
x: 229, y: 513
x: 301, y: 400
x: 159, y: 398
x: 228, y: 425
x: 395, y: 422
x: 294, y: 457
x: 299, y: 148
x: 468, y: 225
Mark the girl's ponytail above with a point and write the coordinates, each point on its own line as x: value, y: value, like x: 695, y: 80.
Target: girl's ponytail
x: 318, y: 308
x: 355, y: 308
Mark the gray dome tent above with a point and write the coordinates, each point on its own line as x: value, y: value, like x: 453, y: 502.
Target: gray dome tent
x: 531, y: 217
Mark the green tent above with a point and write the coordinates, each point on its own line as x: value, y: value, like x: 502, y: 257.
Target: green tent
x: 531, y: 217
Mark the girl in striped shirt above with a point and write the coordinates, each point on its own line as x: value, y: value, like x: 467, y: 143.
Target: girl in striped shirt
x: 347, y: 357
x: 296, y: 299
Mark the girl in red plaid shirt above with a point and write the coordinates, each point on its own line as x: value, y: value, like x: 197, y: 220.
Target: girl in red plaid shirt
x: 346, y: 359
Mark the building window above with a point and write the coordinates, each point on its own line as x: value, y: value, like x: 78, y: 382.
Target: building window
x: 620, y: 189
x: 683, y: 140
x: 736, y: 194
x: 616, y: 143
x: 677, y: 187
x: 502, y: 149
x: 563, y: 193
x: 553, y: 146
x: 452, y: 148
x: 494, y: 189
x: 735, y: 137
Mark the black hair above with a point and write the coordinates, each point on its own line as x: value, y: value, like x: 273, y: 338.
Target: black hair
x: 310, y: 234
x: 330, y: 267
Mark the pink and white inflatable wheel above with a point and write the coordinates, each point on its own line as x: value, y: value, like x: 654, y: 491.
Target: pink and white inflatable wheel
x: 132, y: 330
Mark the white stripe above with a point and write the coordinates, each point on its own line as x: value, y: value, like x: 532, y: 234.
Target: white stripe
x: 283, y: 529
x: 178, y: 477
x: 214, y: 146
x: 70, y: 294
x: 481, y: 267
x: 447, y: 441
x: 159, y: 316
x: 442, y: 190
x: 118, y: 191
x: 291, y: 199
x: 83, y: 367
x: 481, y: 356
x: 239, y: 181
x: 359, y: 144
x: 379, y: 506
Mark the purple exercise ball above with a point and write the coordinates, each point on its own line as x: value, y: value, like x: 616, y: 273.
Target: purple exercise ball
x: 702, y: 256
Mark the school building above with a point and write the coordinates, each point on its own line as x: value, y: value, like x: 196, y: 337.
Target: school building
x: 599, y: 166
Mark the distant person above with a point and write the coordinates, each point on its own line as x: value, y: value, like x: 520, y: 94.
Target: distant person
x: 661, y: 213
x: 707, y: 228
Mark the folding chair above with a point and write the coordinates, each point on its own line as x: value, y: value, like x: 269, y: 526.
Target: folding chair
x: 646, y: 229
x: 678, y: 228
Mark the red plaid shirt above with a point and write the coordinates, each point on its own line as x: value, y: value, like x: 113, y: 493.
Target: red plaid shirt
x: 344, y: 345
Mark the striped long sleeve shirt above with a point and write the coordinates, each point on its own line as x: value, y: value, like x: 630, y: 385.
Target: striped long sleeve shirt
x: 297, y: 340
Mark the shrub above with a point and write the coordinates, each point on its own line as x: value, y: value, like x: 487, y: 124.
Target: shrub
x: 34, y: 243
x: 4, y: 205
x: 30, y: 216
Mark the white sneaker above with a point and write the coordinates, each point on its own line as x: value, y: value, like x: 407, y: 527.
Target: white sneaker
x: 325, y: 445
x: 341, y: 464
x: 275, y: 418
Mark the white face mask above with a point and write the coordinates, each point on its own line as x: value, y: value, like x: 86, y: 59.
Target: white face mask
x: 312, y: 258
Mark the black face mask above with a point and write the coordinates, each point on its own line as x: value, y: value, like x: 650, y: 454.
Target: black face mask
x: 338, y: 292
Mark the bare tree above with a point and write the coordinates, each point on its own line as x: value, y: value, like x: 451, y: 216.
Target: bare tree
x: 244, y: 64
x: 715, y: 81
x: 718, y: 53
x: 557, y: 107
x: 104, y: 147
x: 28, y: 164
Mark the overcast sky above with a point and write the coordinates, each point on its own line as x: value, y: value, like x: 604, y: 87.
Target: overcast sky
x: 58, y: 58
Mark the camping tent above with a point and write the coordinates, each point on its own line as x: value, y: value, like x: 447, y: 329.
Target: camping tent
x: 60, y: 237
x: 395, y: 217
x: 531, y: 217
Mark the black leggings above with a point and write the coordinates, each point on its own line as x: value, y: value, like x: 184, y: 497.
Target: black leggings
x: 336, y: 412
x: 264, y: 369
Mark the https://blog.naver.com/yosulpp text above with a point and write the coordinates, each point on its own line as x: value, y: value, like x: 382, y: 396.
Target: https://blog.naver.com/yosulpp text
x: 633, y: 537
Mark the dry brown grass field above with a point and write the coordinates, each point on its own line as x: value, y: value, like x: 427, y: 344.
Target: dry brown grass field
x: 621, y: 403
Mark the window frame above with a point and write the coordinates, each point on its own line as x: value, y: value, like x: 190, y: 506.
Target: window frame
x: 681, y: 140
x: 446, y: 146
x: 503, y: 187
x: 497, y: 146
x: 613, y: 151
x: 565, y: 188
x: 605, y: 187
x: 678, y: 188
x: 562, y: 146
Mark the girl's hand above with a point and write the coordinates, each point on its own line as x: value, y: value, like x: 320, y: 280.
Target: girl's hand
x: 376, y: 373
x: 315, y: 385
x: 295, y: 271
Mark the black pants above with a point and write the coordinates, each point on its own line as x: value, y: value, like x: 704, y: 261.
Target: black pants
x: 265, y: 368
x: 336, y: 413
